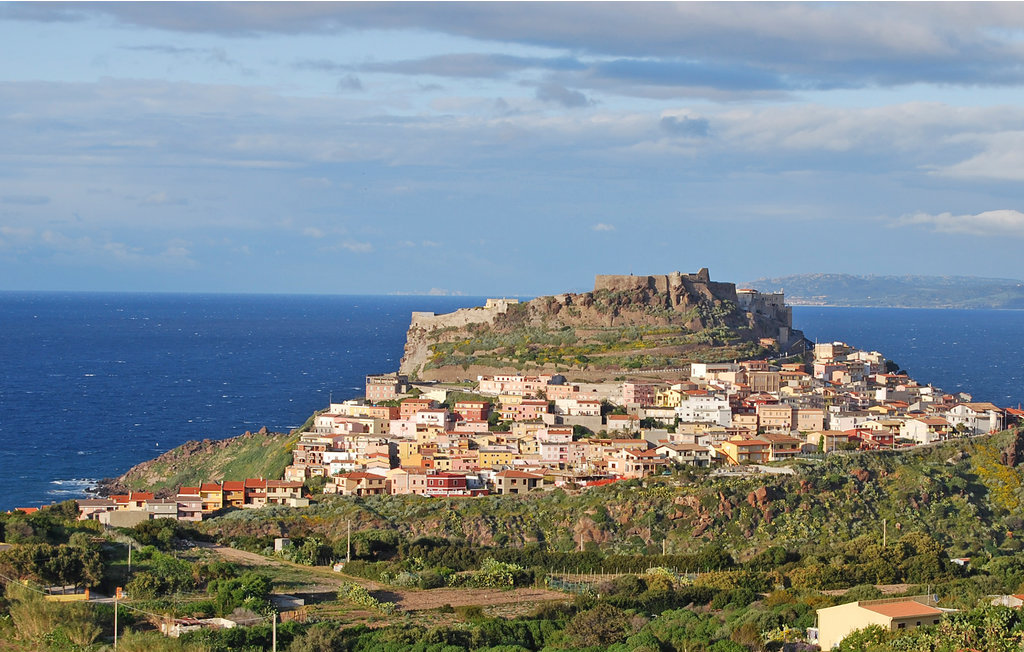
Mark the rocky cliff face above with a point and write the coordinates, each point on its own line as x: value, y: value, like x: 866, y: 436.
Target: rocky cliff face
x: 626, y: 322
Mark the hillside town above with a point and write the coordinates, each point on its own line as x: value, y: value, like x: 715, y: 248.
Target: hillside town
x: 512, y: 434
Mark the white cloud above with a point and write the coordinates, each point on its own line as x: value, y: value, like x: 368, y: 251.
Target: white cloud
x: 355, y: 247
x: 1004, y: 222
x: 313, y: 232
x: 1002, y: 157
x: 601, y: 226
x: 162, y: 198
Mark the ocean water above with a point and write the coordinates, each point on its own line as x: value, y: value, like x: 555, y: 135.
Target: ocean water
x: 91, y: 384
x: 980, y: 352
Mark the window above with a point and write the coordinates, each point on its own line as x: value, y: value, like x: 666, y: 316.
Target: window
x: 901, y: 626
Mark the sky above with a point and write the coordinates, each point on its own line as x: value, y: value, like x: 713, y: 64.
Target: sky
x: 504, y: 148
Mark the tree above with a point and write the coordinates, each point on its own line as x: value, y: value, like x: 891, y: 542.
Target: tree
x: 598, y: 627
x: 868, y: 639
x: 322, y: 637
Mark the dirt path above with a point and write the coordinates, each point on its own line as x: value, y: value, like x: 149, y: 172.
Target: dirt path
x: 406, y: 599
x: 886, y: 589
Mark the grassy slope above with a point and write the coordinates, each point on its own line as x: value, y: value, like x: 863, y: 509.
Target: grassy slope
x: 247, y: 456
x: 966, y: 504
x: 237, y: 458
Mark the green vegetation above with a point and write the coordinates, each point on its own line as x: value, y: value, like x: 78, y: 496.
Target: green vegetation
x: 839, y: 499
x: 255, y: 455
x: 597, y: 347
x: 605, y: 330
x: 748, y: 562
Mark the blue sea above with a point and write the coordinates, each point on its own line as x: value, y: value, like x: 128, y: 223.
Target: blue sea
x: 91, y: 384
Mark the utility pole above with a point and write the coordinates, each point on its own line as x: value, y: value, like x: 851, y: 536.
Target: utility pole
x: 883, y: 532
x: 348, y: 551
x: 273, y: 632
x: 116, y: 592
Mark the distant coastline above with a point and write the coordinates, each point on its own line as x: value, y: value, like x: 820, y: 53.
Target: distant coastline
x: 909, y: 291
x: 806, y: 304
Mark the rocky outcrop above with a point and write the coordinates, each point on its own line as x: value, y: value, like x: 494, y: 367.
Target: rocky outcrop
x: 682, y: 303
x: 1013, y: 454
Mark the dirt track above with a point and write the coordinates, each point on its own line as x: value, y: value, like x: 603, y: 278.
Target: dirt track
x: 406, y: 599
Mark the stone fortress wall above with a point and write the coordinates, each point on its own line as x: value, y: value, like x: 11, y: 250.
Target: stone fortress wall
x: 485, y: 314
x: 674, y: 283
x: 770, y: 304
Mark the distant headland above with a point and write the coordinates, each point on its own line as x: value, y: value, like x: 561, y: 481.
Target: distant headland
x: 871, y: 291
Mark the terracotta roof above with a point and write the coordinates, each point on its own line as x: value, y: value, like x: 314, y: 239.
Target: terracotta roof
x: 981, y: 407
x: 744, y: 443
x: 210, y: 486
x: 517, y: 474
x: 907, y: 609
x: 234, y: 485
x: 256, y: 483
x: 188, y: 491
x: 96, y: 502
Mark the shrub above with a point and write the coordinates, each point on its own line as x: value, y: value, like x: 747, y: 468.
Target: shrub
x: 359, y: 595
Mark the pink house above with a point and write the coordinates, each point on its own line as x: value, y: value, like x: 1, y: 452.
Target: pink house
x: 628, y: 463
x: 639, y: 393
x: 528, y: 410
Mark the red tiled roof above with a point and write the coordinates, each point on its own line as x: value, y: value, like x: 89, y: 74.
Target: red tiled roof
x: 210, y: 486
x: 234, y: 485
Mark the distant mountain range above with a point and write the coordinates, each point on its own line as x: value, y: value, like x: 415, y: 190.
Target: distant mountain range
x: 896, y: 291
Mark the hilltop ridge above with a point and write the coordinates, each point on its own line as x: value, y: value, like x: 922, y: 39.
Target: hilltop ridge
x: 626, y: 322
x: 908, y: 291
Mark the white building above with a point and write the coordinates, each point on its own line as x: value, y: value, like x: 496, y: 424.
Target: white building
x: 705, y: 409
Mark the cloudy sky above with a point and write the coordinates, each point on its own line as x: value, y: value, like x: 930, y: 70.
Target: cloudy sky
x: 504, y: 148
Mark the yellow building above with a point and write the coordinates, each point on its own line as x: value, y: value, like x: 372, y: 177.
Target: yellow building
x: 492, y: 458
x: 672, y: 398
x: 739, y: 450
x: 529, y: 446
x: 893, y: 614
x: 406, y: 449
x: 212, y: 495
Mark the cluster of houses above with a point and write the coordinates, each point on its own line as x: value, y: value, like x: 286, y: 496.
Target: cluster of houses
x: 516, y: 433
x: 523, y: 432
x: 192, y: 503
